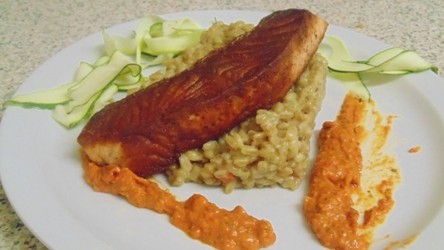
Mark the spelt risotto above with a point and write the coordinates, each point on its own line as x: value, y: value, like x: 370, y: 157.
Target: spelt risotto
x: 269, y: 149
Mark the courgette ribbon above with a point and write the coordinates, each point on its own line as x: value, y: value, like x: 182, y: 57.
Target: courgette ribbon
x: 392, y: 61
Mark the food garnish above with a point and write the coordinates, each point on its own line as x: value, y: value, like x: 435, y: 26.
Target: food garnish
x: 392, y: 61
x: 155, y: 39
x: 95, y: 85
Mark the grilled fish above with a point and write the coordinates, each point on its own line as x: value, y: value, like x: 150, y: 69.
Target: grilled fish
x: 149, y: 129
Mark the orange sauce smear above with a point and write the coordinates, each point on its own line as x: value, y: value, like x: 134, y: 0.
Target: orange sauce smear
x: 335, y: 184
x: 415, y: 149
x: 401, y: 243
x: 199, y: 218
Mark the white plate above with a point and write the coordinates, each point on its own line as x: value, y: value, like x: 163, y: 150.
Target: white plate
x: 41, y: 172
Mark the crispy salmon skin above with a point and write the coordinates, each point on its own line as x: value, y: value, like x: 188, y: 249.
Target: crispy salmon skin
x: 147, y: 130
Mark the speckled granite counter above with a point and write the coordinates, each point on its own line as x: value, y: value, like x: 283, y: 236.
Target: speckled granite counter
x: 33, y: 31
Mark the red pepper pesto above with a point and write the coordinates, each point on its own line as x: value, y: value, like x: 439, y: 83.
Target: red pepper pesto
x: 335, y: 189
x: 199, y: 218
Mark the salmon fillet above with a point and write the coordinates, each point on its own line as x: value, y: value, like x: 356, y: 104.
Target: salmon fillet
x: 148, y: 130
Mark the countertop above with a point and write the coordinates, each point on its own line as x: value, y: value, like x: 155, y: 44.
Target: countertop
x: 33, y: 31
